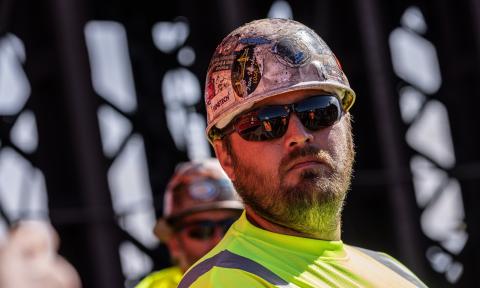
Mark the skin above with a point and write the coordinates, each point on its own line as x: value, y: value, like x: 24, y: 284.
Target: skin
x: 296, y: 184
x: 29, y: 259
x: 187, y: 251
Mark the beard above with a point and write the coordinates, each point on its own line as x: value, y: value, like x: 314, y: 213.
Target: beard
x: 311, y: 206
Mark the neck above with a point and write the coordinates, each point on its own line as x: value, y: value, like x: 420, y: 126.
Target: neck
x: 261, y: 222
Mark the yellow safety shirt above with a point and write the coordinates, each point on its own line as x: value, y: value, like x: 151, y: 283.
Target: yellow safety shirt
x: 249, y: 256
x: 165, y: 278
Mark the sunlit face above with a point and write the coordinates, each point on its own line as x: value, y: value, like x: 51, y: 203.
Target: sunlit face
x: 299, y: 180
x: 184, y: 245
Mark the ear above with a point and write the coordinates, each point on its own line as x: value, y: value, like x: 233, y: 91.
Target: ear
x: 224, y: 158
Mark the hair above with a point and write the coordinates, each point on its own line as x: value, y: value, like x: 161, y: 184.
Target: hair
x: 227, y: 145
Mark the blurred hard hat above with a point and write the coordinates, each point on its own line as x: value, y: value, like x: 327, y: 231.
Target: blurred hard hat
x: 265, y: 58
x: 195, y: 187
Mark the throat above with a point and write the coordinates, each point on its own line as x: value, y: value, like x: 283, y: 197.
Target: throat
x: 269, y: 225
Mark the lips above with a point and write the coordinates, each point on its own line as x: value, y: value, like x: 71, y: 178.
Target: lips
x: 305, y: 162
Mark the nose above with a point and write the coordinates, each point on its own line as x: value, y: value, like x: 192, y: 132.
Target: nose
x: 297, y: 134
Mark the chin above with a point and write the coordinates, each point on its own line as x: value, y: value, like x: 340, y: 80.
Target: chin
x: 300, y: 178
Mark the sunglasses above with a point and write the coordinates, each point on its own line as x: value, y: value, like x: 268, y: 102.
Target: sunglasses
x: 271, y: 122
x: 205, y: 229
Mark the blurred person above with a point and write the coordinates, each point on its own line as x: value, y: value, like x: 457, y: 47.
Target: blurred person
x: 200, y: 204
x: 278, y: 117
x: 29, y: 259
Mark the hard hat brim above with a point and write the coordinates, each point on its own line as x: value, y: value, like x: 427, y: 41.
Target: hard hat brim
x: 345, y: 93
x: 163, y: 228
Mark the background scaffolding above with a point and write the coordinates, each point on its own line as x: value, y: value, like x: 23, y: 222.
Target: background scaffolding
x: 100, y: 99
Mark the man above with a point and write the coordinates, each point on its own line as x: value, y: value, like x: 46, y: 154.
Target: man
x: 200, y: 204
x: 277, y: 105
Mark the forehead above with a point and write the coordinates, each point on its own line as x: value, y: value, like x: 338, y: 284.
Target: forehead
x: 290, y: 97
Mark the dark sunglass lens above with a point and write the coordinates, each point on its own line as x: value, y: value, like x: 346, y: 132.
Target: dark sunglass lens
x: 318, y: 112
x: 264, y: 124
x: 201, y: 232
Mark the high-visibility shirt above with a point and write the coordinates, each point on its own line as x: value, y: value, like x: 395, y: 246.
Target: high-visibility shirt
x: 165, y: 278
x: 249, y: 256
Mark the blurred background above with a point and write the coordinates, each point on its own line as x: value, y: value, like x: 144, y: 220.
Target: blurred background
x: 100, y: 99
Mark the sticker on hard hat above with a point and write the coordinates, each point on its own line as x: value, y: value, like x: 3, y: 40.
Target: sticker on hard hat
x: 245, y: 72
x: 227, y: 46
x: 331, y: 70
x: 221, y: 62
x: 255, y: 41
x: 291, y: 52
x: 316, y: 44
x: 218, y: 88
x: 203, y: 191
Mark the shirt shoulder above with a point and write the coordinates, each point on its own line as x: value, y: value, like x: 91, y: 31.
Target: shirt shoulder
x: 392, y: 264
x: 165, y: 278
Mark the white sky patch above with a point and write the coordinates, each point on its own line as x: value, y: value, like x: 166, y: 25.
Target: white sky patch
x: 13, y: 172
x: 24, y: 133
x: 113, y: 129
x: 427, y: 179
x: 168, y: 36
x: 180, y: 87
x: 134, y: 262
x: 410, y: 101
x: 186, y: 56
x: 430, y: 134
x: 280, y: 9
x: 131, y: 192
x: 22, y: 187
x: 413, y: 19
x: 415, y: 60
x: 443, y: 220
x: 181, y: 91
x: 443, y: 262
x: 176, y: 122
x: 198, y: 147
x: 37, y: 202
x: 112, y: 76
x: 14, y: 86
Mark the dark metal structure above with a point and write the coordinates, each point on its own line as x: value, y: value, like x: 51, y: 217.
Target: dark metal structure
x: 381, y: 213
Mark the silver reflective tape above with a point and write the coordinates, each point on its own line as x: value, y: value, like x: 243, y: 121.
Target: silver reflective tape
x: 227, y: 259
x: 387, y: 261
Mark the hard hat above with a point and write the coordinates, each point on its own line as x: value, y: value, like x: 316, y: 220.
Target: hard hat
x: 195, y: 187
x: 266, y: 58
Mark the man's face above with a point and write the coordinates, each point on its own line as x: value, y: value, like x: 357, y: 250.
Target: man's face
x: 299, y: 180
x: 198, y: 233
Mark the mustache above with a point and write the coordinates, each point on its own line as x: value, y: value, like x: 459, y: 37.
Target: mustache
x: 307, y: 151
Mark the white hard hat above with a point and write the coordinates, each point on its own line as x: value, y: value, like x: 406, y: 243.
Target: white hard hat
x: 266, y: 58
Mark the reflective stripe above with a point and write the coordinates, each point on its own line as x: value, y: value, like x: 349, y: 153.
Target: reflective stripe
x: 227, y: 259
x: 387, y: 261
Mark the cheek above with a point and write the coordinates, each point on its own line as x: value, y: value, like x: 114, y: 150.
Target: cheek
x: 262, y: 157
x: 252, y: 154
x: 195, y: 249
x: 333, y: 140
x: 339, y: 142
